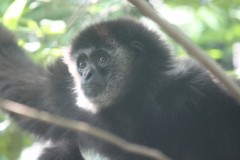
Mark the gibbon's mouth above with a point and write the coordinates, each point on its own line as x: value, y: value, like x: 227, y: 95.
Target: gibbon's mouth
x: 92, y: 90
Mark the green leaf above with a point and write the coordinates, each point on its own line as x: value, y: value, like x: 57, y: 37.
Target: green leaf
x: 215, y: 53
x: 13, y: 13
x: 53, y: 27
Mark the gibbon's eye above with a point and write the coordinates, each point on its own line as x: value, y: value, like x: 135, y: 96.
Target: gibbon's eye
x: 102, y: 61
x: 81, y: 63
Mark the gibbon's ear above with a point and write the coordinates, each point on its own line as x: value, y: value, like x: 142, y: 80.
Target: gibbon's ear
x: 138, y: 48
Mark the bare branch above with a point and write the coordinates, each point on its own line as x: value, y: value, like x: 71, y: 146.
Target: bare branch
x: 81, y: 127
x: 189, y: 46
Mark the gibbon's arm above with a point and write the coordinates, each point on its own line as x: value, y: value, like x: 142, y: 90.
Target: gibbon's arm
x: 20, y: 79
x: 24, y: 82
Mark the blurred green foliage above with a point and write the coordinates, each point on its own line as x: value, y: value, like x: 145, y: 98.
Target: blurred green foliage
x: 45, y: 27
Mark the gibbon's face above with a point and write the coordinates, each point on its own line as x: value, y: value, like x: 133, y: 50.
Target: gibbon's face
x: 101, y: 74
x: 93, y: 67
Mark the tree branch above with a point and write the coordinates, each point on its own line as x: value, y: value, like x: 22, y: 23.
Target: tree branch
x: 192, y: 49
x: 81, y: 127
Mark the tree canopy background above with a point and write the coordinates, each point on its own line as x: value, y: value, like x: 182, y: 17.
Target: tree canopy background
x: 44, y: 28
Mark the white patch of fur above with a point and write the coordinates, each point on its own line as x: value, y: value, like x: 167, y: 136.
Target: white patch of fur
x: 81, y: 100
x: 35, y: 150
x: 93, y: 155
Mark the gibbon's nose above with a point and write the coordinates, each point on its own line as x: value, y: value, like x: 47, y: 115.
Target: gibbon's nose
x: 88, y: 74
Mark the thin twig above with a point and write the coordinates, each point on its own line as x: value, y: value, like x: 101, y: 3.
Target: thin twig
x: 82, y: 127
x: 192, y: 49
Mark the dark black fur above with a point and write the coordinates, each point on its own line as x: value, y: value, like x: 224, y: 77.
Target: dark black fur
x: 172, y: 105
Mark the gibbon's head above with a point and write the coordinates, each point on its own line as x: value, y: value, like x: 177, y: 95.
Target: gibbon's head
x: 114, y: 59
